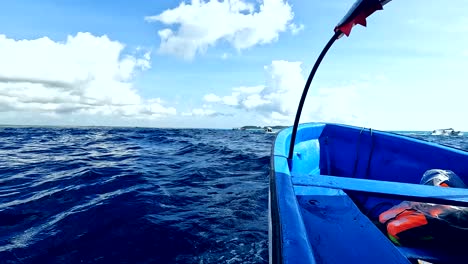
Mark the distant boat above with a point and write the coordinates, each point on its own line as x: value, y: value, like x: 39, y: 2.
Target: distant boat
x: 270, y: 130
x: 250, y: 128
x: 328, y: 182
x: 446, y: 132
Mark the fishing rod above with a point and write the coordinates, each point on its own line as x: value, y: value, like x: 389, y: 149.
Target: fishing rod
x: 306, y: 89
x: 356, y: 15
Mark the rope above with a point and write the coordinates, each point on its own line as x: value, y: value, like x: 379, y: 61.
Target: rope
x: 370, y: 154
x: 357, y: 153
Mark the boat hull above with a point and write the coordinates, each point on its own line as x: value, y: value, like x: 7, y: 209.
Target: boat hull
x: 317, y: 199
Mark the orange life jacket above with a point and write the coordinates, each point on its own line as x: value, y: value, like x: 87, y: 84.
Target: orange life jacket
x: 408, y: 217
x: 419, y: 224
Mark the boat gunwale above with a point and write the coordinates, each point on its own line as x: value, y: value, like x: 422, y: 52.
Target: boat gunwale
x: 280, y: 147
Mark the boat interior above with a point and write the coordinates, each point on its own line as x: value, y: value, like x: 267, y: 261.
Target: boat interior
x: 341, y: 178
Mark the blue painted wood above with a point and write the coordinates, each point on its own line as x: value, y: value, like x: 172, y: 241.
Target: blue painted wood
x: 403, y: 191
x: 309, y: 151
x: 370, y: 157
x: 394, y: 157
x: 307, y: 132
x: 340, y: 233
x: 295, y: 247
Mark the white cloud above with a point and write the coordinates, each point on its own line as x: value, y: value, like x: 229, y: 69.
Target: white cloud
x: 277, y: 101
x: 202, y: 24
x: 205, y: 111
x: 85, y: 74
x: 212, y: 98
x: 249, y: 90
x: 242, y: 97
x: 200, y: 112
x: 295, y: 29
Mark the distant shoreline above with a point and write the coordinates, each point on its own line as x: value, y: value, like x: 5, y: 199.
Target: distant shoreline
x: 260, y: 127
x: 253, y: 128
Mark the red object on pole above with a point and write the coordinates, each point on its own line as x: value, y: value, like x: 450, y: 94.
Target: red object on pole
x: 358, y: 14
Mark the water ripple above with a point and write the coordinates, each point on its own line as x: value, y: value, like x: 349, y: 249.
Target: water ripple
x: 134, y: 195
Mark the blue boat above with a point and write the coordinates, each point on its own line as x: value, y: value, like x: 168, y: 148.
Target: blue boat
x: 329, y: 183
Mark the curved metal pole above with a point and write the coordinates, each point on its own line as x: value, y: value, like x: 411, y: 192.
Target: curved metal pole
x: 306, y: 89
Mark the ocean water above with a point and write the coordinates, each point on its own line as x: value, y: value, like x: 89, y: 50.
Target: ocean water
x: 137, y: 195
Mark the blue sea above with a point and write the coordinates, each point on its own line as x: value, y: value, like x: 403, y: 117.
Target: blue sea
x: 137, y: 195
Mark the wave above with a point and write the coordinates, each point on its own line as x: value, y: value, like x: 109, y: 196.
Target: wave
x: 106, y: 195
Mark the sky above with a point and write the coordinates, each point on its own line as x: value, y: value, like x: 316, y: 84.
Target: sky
x: 230, y: 63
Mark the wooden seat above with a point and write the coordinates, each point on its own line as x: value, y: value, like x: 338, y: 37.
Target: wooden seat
x: 395, y: 190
